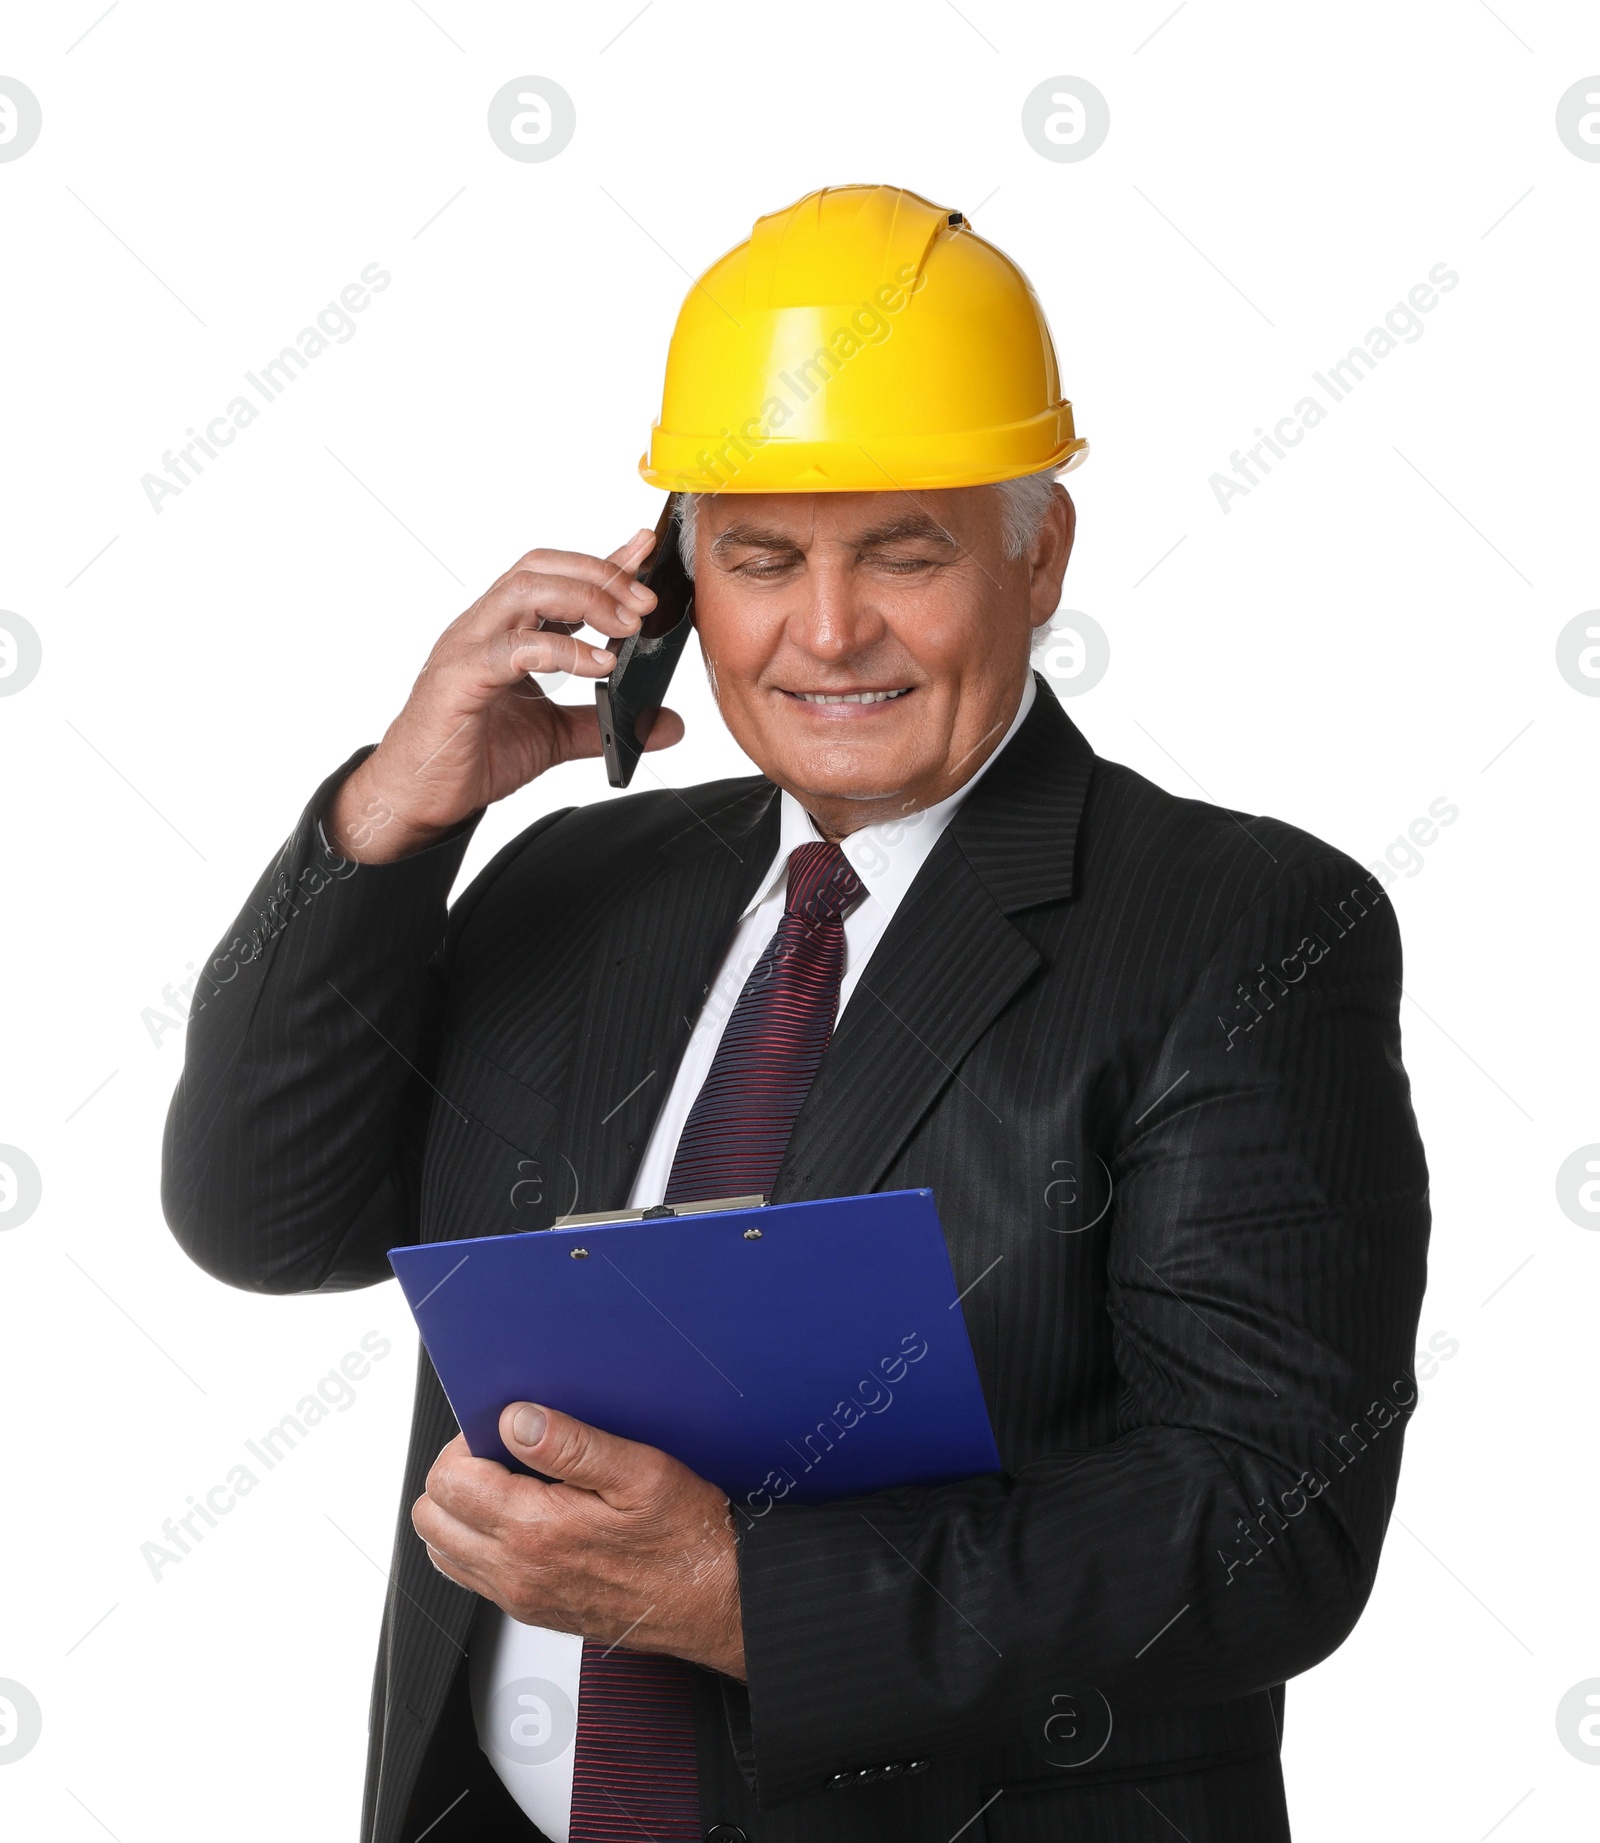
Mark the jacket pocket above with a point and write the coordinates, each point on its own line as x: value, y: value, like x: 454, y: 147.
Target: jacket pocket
x: 491, y: 1097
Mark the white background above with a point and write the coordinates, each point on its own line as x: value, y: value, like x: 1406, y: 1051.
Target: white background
x: 1369, y: 630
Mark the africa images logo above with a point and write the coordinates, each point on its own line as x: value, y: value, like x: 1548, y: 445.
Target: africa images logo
x: 1402, y: 324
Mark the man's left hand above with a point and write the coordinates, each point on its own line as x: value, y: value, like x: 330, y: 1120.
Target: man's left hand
x: 629, y: 1548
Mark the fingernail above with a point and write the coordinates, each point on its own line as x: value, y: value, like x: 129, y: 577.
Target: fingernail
x: 601, y: 657
x: 528, y: 1426
x: 640, y: 592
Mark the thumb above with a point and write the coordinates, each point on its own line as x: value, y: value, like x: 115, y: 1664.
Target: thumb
x: 580, y: 729
x: 623, y: 1472
x: 666, y: 730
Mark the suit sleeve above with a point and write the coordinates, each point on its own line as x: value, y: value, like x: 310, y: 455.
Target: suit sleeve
x: 1266, y: 1265
x: 293, y: 1149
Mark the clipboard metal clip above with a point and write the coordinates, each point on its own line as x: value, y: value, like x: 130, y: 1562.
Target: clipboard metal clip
x: 701, y: 1208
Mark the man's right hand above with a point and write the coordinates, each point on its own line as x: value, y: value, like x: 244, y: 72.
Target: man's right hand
x: 475, y: 727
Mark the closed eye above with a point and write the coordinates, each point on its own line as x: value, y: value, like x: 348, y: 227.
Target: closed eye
x: 763, y: 568
x: 905, y: 566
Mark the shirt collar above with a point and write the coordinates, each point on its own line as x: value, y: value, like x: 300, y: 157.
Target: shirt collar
x: 886, y: 857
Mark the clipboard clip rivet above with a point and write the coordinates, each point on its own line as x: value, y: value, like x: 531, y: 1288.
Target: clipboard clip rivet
x: 752, y: 1235
x: 580, y: 1254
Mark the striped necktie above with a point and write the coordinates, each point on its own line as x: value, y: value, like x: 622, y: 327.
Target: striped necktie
x: 634, y: 1770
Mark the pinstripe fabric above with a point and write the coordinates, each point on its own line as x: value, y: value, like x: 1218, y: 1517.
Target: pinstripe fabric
x: 1147, y: 1055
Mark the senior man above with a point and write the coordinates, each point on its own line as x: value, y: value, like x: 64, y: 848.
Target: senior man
x: 1144, y: 1051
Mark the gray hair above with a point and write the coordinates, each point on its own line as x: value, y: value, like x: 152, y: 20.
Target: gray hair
x: 1023, y: 505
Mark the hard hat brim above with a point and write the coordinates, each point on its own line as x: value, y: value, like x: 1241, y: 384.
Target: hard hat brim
x: 680, y: 464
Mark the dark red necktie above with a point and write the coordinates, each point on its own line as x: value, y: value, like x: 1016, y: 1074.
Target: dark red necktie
x: 634, y: 1768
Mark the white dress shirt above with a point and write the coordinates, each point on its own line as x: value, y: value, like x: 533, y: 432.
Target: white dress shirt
x: 524, y: 1678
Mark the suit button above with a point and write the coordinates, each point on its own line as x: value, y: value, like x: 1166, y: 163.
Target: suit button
x: 726, y: 1833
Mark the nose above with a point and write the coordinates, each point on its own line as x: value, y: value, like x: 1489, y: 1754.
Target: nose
x: 834, y: 618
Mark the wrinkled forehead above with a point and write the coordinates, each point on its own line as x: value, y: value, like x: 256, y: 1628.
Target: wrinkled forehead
x: 805, y: 520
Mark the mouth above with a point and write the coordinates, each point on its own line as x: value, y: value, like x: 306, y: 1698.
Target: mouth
x: 853, y: 698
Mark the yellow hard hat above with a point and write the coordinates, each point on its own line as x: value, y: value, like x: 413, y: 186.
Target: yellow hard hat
x: 863, y: 340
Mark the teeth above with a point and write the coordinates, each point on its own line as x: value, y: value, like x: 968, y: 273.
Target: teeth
x: 853, y: 697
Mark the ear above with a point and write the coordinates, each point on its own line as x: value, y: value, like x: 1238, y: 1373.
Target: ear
x: 1048, y: 556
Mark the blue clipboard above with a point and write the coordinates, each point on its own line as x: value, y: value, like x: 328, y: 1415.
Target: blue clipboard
x: 802, y: 1351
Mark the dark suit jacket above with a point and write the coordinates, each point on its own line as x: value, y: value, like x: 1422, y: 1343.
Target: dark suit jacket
x: 1145, y: 1052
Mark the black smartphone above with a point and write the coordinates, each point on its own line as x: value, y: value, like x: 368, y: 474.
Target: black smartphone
x: 630, y: 698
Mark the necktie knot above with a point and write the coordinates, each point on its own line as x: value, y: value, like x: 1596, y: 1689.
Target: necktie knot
x: 822, y: 886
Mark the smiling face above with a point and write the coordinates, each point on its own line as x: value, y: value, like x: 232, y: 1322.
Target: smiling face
x: 868, y: 650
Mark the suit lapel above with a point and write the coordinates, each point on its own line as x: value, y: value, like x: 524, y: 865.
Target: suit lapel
x: 949, y: 962
x: 658, y: 955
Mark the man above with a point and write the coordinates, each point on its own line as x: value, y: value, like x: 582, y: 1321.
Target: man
x: 1144, y: 1051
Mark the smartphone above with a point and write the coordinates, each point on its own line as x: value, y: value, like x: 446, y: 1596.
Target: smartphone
x: 630, y: 699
